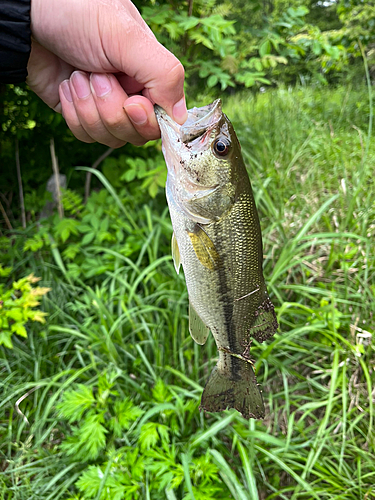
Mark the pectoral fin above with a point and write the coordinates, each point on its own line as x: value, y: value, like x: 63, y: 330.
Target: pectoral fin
x: 198, y: 330
x: 204, y: 248
x: 175, y: 254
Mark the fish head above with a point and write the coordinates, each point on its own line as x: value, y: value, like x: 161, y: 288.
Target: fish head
x: 200, y: 155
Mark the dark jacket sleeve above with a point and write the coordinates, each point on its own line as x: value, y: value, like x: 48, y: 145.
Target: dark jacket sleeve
x: 15, y: 40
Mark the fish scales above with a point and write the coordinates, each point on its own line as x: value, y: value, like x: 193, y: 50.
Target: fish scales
x: 219, y: 246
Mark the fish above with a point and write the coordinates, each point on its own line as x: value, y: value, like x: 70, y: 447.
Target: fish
x: 218, y: 242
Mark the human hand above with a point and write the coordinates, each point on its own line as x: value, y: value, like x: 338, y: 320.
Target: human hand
x: 91, y: 58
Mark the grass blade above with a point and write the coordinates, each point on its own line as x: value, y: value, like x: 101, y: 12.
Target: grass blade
x: 222, y: 423
x: 229, y: 477
x: 185, y: 464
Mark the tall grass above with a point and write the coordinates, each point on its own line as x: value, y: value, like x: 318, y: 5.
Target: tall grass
x: 311, y: 163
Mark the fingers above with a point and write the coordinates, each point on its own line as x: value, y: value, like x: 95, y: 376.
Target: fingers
x: 112, y: 103
x: 70, y: 114
x: 141, y: 113
x: 97, y: 108
x: 130, y: 85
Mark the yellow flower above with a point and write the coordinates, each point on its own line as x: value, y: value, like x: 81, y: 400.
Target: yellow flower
x: 33, y: 279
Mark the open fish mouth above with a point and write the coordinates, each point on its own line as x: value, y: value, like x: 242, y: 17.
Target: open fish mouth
x: 199, y: 121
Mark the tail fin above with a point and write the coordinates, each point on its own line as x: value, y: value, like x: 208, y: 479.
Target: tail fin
x: 240, y: 391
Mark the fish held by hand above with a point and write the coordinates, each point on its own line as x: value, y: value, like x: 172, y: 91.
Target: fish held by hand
x: 217, y: 240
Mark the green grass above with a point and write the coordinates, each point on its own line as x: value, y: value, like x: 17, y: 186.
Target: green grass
x: 125, y: 338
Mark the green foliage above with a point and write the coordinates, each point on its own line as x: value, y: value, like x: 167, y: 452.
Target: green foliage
x: 125, y: 169
x: 98, y: 418
x: 102, y: 423
x: 16, y: 110
x: 201, y: 41
x: 230, y: 45
x: 105, y: 403
x: 91, y: 238
x: 358, y: 18
x: 72, y: 201
x: 123, y: 475
x: 35, y: 202
x: 76, y: 403
x: 17, y: 306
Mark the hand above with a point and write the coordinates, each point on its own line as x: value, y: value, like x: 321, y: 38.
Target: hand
x: 90, y: 59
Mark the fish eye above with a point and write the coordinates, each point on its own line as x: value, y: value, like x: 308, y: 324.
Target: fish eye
x: 221, y: 147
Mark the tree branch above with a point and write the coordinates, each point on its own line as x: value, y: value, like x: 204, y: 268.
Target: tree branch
x: 190, y: 11
x: 7, y: 221
x: 55, y: 168
x: 20, y: 188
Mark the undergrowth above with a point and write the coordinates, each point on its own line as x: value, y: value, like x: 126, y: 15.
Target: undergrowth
x: 102, y: 401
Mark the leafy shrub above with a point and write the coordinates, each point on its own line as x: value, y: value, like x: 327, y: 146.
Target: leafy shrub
x: 101, y: 422
x: 219, y: 50
x: 101, y: 418
x: 80, y: 240
x: 17, y: 306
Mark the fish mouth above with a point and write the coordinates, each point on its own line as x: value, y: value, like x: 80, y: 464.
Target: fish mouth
x: 199, y: 122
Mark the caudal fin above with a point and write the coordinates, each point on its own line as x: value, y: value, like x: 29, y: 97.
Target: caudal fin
x: 240, y: 391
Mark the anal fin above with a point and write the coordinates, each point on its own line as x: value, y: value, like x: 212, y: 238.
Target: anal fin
x: 198, y: 330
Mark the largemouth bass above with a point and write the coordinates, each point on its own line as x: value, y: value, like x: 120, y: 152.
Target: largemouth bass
x: 217, y: 240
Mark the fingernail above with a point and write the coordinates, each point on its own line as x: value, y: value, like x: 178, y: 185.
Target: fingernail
x: 66, y: 90
x: 179, y: 111
x: 81, y: 84
x: 136, y: 114
x: 101, y: 84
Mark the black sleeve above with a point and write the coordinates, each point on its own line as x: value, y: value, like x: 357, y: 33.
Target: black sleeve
x: 15, y: 40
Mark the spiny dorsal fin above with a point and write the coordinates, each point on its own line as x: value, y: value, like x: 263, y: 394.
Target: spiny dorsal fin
x: 175, y: 254
x: 204, y: 248
x: 198, y: 330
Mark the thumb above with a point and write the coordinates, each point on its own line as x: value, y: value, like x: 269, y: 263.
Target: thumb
x: 134, y: 50
x: 167, y: 90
